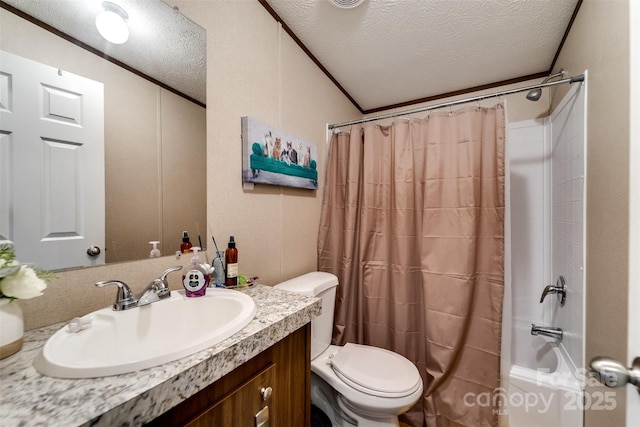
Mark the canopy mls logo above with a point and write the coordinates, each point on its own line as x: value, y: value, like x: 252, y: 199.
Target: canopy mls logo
x: 541, y: 402
x: 553, y: 392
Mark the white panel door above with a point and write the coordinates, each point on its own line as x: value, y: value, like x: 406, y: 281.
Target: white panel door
x: 51, y: 163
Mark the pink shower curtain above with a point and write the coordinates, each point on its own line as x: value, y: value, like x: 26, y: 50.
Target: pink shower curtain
x: 412, y: 224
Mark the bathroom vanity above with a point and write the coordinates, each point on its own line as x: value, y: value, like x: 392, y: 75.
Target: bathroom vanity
x: 265, y: 365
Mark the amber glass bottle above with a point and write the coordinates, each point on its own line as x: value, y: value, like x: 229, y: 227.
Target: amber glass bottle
x: 186, y: 244
x: 231, y: 263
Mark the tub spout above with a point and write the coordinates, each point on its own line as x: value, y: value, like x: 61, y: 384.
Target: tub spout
x: 547, y: 331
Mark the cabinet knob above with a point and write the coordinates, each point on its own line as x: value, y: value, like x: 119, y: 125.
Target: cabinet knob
x: 266, y: 392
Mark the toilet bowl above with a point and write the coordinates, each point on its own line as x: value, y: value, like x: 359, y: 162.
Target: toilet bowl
x: 353, y: 384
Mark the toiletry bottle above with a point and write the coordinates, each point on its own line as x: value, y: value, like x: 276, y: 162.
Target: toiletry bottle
x: 155, y: 252
x: 231, y: 263
x: 186, y: 244
x: 218, y: 269
x: 196, y: 279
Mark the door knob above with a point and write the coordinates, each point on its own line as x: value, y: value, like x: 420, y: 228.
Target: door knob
x: 93, y: 251
x: 614, y: 374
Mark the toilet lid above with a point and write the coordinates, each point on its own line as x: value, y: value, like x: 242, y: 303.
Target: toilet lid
x: 375, y: 371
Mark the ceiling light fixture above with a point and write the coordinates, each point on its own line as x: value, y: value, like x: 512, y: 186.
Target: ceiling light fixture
x: 346, y: 4
x: 112, y: 23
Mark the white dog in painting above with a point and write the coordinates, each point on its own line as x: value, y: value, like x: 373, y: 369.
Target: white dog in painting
x: 268, y: 145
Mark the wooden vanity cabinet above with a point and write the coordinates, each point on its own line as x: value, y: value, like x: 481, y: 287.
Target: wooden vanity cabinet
x: 235, y: 399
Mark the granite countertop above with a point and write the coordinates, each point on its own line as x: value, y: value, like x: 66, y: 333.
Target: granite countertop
x: 28, y: 398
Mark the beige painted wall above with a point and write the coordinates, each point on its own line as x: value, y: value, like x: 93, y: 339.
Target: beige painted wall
x: 137, y: 200
x: 255, y: 69
x: 599, y: 43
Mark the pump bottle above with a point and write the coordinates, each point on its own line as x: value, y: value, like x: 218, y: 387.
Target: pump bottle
x: 196, y: 279
x: 231, y: 263
x: 155, y: 252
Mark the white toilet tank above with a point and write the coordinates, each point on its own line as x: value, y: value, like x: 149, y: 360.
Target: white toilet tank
x: 320, y: 285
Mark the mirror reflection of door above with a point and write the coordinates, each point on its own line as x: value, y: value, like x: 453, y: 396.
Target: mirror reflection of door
x: 52, y: 125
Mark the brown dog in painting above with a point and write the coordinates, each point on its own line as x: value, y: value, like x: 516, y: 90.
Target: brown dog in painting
x: 277, y: 149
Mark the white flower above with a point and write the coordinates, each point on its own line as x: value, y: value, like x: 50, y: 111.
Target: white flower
x: 24, y: 284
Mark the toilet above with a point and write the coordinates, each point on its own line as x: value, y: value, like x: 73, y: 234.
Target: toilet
x: 353, y: 384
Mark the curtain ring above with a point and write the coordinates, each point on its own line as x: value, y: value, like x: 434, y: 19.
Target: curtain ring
x: 450, y: 111
x: 478, y: 105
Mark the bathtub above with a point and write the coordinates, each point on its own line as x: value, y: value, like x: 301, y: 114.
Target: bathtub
x: 544, y: 388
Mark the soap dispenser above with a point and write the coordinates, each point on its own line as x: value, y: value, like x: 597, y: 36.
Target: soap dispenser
x: 155, y: 252
x: 196, y: 279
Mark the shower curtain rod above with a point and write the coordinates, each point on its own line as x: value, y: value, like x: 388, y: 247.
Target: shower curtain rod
x: 574, y: 79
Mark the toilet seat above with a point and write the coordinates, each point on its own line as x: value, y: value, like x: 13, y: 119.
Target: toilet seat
x: 367, y: 369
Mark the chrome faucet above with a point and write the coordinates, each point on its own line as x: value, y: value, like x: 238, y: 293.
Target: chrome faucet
x: 124, y: 299
x: 155, y: 291
x: 560, y: 288
x: 158, y: 289
x: 547, y: 331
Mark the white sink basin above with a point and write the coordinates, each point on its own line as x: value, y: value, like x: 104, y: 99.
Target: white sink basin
x: 118, y: 342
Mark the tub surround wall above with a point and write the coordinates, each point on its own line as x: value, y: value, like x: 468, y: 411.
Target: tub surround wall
x: 529, y: 164
x: 568, y: 219
x: 546, y: 163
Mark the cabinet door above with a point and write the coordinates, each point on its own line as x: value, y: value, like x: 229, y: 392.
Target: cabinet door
x: 240, y: 407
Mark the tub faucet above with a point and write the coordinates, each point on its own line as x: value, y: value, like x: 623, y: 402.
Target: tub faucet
x: 547, y: 331
x: 158, y: 289
x: 560, y: 288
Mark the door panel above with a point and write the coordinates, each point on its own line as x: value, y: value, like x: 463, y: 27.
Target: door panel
x: 6, y: 183
x: 52, y: 159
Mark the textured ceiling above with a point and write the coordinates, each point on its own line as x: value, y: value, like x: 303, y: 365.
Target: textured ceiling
x: 382, y: 53
x: 387, y: 52
x: 162, y: 44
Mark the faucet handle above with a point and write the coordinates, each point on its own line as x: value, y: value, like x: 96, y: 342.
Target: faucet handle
x: 162, y: 287
x: 164, y: 275
x: 560, y: 288
x: 124, y: 299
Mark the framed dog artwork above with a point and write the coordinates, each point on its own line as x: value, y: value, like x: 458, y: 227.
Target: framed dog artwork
x: 275, y: 157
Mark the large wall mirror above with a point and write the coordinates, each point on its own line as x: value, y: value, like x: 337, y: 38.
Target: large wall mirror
x: 154, y: 129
